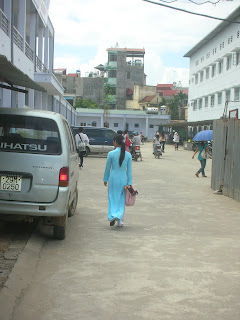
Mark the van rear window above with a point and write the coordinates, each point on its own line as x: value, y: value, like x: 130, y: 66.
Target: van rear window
x: 29, y: 135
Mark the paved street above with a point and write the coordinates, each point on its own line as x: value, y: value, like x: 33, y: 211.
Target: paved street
x: 176, y: 258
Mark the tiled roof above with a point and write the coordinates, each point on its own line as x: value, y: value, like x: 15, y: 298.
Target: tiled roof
x: 165, y: 86
x: 74, y: 75
x: 129, y: 91
x: 147, y: 98
x: 169, y: 93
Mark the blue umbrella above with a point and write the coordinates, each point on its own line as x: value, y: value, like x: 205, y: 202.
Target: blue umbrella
x: 205, y: 135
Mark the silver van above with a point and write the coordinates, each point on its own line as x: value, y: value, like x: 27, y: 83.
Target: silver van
x: 39, y: 167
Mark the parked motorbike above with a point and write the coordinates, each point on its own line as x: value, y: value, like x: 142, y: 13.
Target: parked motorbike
x: 158, y: 151
x: 136, y: 152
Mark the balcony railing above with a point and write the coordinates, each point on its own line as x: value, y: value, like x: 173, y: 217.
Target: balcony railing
x: 40, y: 65
x: 28, y: 51
x: 4, y: 23
x: 18, y: 39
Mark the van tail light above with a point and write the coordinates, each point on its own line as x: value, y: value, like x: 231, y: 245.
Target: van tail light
x: 64, y: 177
x: 137, y: 148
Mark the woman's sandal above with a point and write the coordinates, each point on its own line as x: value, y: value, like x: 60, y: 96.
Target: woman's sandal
x: 112, y: 222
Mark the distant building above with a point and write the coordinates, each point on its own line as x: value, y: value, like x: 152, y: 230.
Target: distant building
x: 125, y: 68
x: 215, y: 72
x: 76, y: 87
x: 167, y: 91
x: 131, y: 120
x: 141, y: 97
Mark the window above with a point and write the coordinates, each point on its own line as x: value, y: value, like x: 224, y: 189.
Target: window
x: 128, y: 75
x: 151, y: 126
x: 196, y: 79
x: 195, y: 105
x: 197, y: 62
x: 106, y: 125
x: 229, y: 62
x: 228, y: 95
x: 212, y: 101
x: 89, y: 88
x: 206, y: 102
x: 213, y: 70
x: 110, y: 134
x: 220, y: 67
x: 115, y: 125
x: 236, y: 94
x: 200, y: 104
x: 202, y: 59
x: 27, y: 134
x: 94, y: 123
x: 112, y: 57
x: 136, y: 125
x: 237, y: 58
x: 238, y: 34
x: 83, y: 124
x: 112, y: 74
x: 208, y: 55
x: 201, y: 76
x: 220, y: 98
x: 207, y: 73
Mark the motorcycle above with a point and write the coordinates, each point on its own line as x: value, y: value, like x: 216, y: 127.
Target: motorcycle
x: 158, y: 151
x: 135, y: 152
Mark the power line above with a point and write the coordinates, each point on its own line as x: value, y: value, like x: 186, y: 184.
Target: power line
x: 194, y: 13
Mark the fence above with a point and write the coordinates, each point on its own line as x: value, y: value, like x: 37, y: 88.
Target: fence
x: 226, y: 157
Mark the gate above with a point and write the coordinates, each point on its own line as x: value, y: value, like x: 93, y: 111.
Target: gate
x: 226, y: 157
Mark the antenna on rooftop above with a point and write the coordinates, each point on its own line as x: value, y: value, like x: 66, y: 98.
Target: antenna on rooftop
x: 116, y: 45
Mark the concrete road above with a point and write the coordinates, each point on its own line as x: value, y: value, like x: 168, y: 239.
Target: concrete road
x: 177, y: 257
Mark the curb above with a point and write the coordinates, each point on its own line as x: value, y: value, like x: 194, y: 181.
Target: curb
x: 20, y: 277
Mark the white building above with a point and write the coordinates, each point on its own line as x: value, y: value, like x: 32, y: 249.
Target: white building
x: 26, y: 58
x: 215, y: 71
x: 124, y: 119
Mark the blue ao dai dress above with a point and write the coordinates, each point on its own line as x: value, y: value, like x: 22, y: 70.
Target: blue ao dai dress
x: 117, y: 178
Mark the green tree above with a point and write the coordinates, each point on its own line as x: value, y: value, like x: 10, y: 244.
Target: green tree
x: 177, y: 105
x: 85, y: 103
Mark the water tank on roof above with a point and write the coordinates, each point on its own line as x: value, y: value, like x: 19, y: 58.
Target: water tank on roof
x: 163, y: 109
x: 151, y: 110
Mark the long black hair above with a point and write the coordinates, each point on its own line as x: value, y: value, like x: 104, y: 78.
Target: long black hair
x: 119, y: 139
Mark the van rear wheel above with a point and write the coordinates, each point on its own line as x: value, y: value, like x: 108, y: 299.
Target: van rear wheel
x: 73, y: 205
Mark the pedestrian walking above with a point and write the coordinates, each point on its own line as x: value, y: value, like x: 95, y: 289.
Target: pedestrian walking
x: 176, y: 140
x: 202, y: 147
x: 81, y: 139
x: 117, y: 175
x: 163, y: 141
x: 126, y: 140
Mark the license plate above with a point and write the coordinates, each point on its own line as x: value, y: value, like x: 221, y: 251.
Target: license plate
x: 11, y: 183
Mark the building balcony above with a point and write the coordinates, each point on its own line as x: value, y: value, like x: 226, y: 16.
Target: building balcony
x: 18, y: 39
x: 4, y: 23
x: 49, y: 82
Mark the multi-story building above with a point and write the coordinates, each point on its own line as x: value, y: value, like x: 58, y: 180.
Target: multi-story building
x: 214, y: 84
x: 75, y: 86
x: 26, y: 58
x: 125, y: 69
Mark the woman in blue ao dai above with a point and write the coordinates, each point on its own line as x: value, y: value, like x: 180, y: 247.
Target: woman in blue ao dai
x: 118, y: 174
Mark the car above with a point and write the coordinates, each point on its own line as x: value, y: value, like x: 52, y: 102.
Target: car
x: 39, y: 167
x: 100, y: 139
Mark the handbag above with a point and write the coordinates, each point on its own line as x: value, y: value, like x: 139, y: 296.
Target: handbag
x: 205, y: 154
x: 81, y: 145
x: 130, y: 196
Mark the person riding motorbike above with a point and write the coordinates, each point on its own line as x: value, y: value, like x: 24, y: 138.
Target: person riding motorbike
x: 156, y: 142
x: 136, y: 141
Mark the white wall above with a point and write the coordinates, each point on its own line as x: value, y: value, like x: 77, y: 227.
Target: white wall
x: 226, y: 80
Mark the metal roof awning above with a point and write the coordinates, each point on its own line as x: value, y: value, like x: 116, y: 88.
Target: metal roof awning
x: 184, y: 123
x: 15, y: 77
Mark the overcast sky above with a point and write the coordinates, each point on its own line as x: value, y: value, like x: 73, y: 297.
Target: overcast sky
x: 84, y: 29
